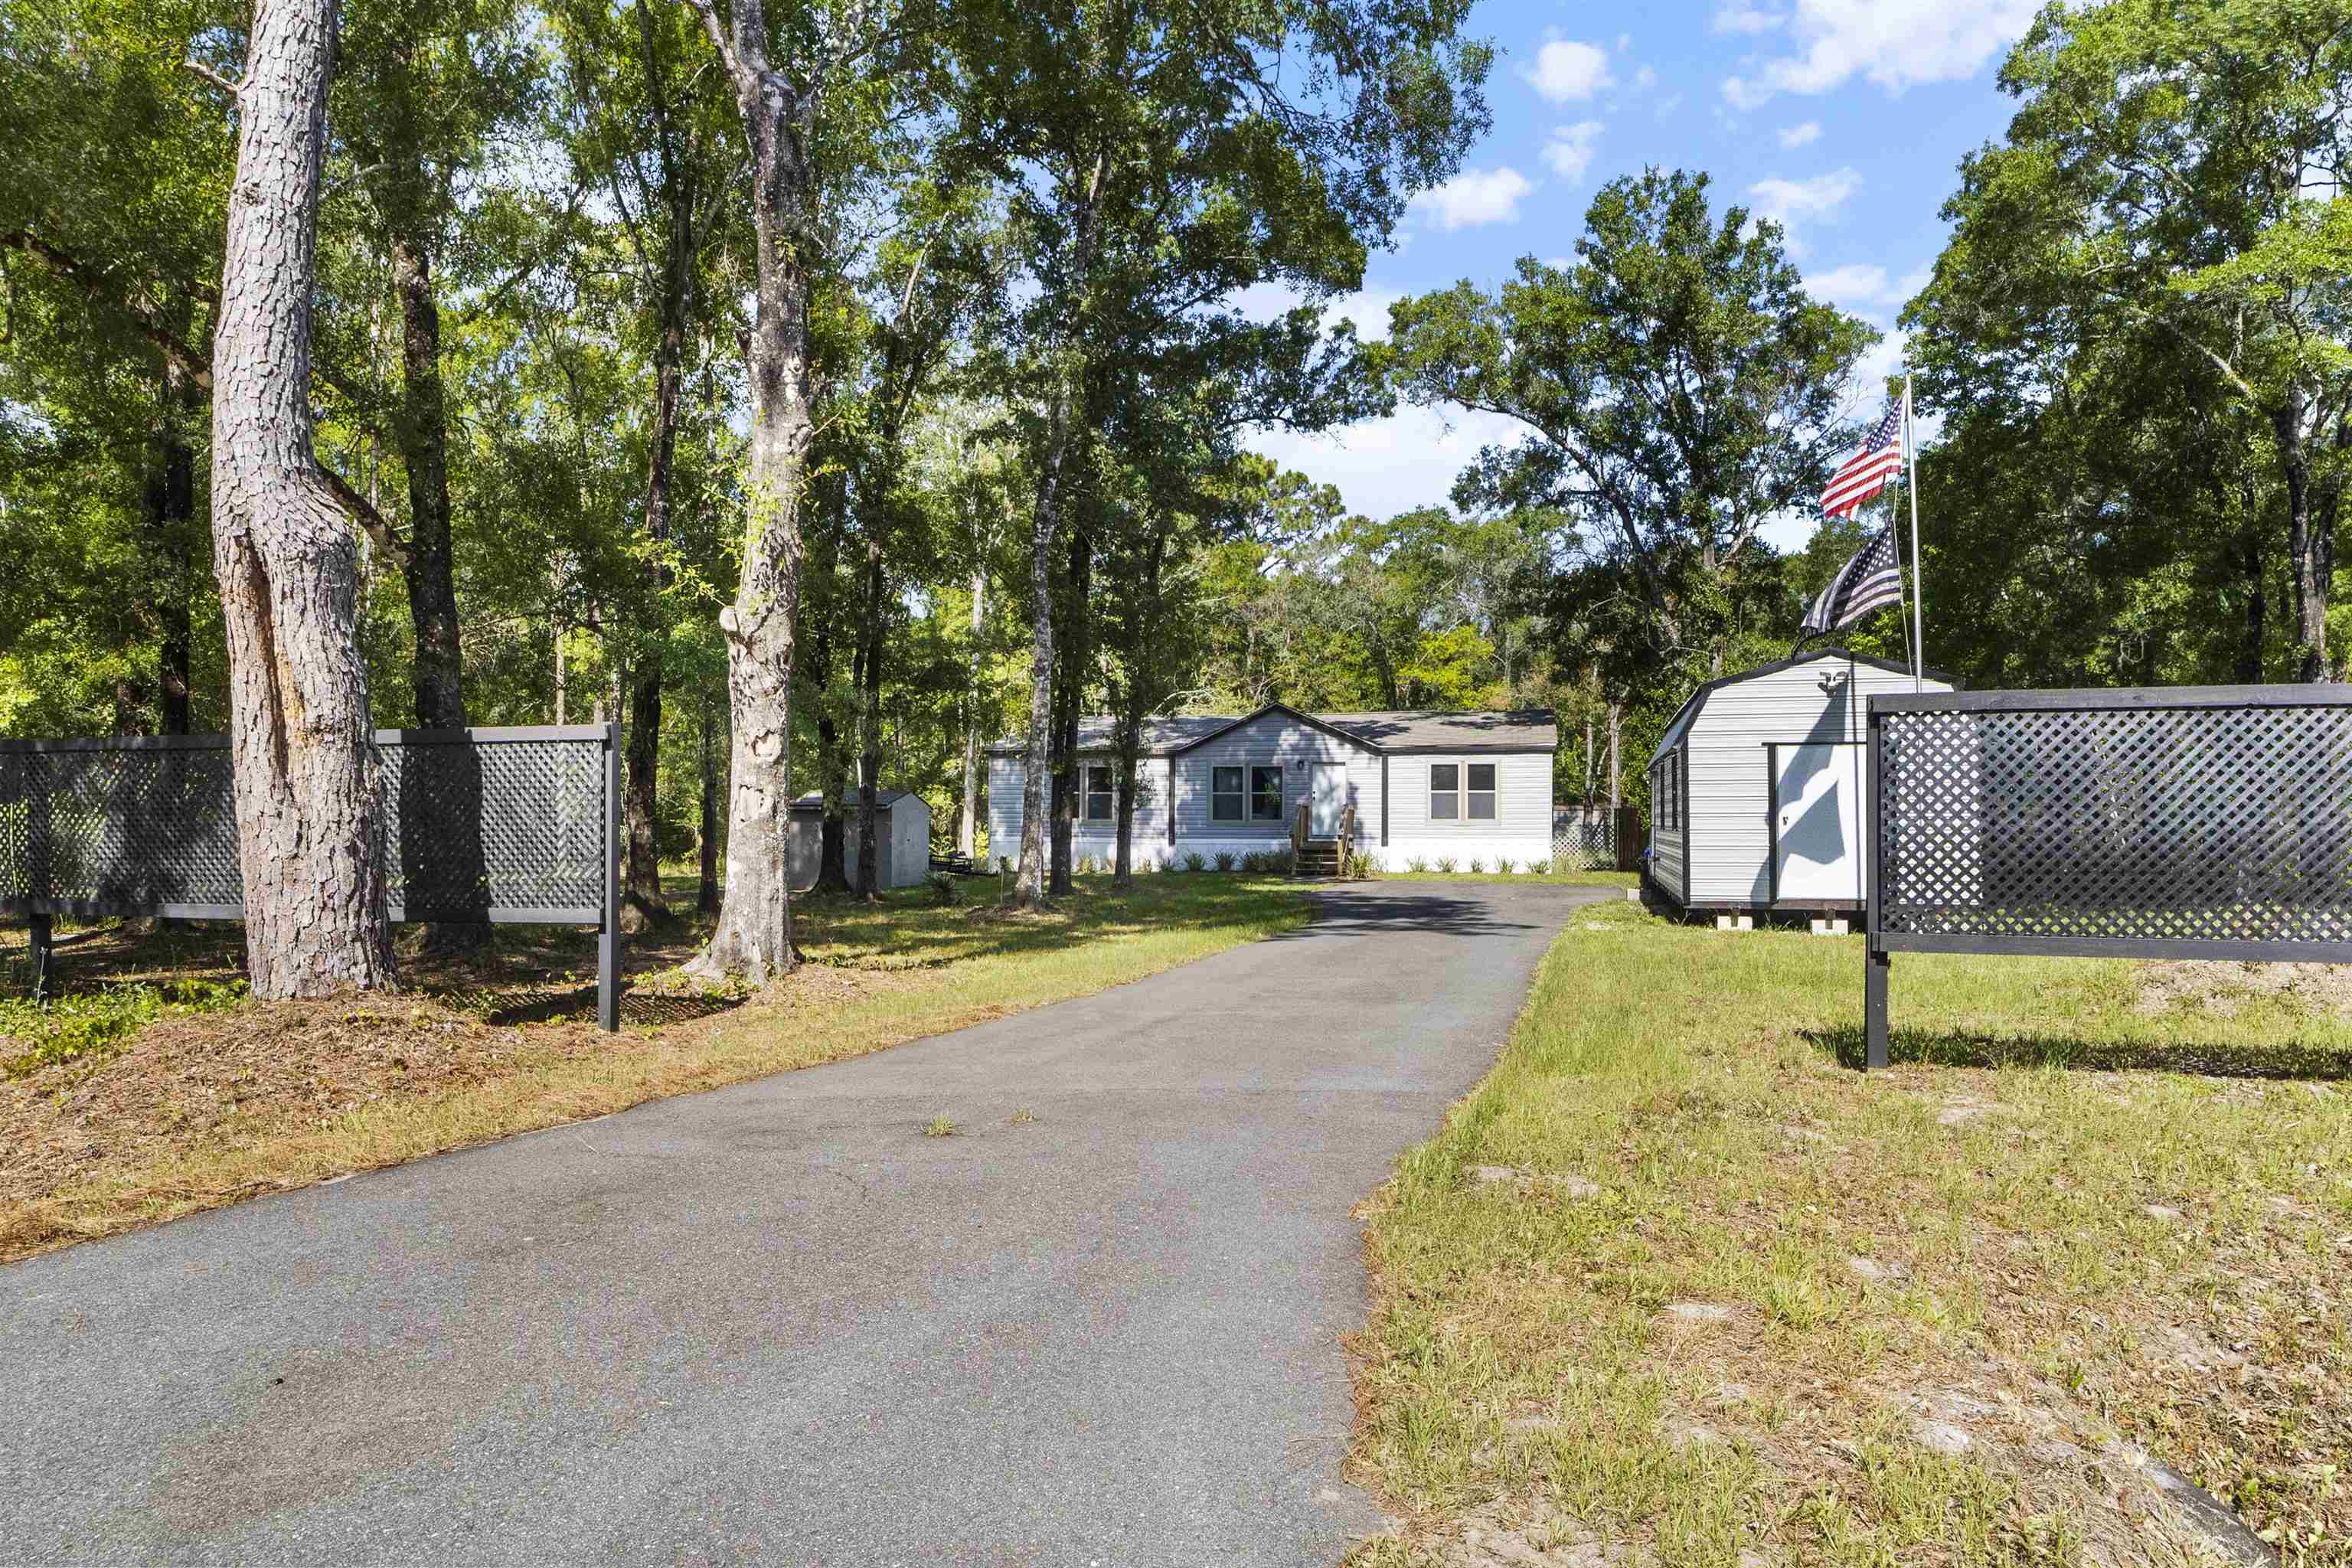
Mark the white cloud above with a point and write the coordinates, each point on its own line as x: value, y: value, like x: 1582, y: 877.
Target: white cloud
x: 1644, y: 79
x: 1854, y: 284
x: 1567, y: 71
x: 1568, y: 153
x: 1474, y: 196
x: 1384, y: 466
x: 1792, y: 203
x: 1668, y: 105
x: 1803, y: 135
x: 1895, y: 43
x: 1747, y: 19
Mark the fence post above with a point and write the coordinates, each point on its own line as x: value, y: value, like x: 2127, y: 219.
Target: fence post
x: 608, y: 937
x: 1876, y: 961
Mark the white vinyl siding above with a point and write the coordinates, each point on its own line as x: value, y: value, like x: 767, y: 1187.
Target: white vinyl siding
x: 1517, y: 793
x: 1728, y: 794
x: 1097, y: 837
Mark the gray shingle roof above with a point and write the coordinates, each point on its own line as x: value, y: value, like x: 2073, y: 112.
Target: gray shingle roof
x: 1408, y: 729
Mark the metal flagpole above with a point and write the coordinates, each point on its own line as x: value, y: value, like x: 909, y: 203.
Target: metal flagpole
x: 1919, y: 586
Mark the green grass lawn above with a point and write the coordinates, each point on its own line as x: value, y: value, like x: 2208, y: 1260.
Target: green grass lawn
x: 1673, y: 1283
x: 144, y: 1097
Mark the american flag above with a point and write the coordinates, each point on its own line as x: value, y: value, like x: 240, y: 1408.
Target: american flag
x: 1870, y: 470
x: 1868, y: 581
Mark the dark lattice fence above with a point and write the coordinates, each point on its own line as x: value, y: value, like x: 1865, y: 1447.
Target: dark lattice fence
x: 2164, y: 822
x: 1583, y: 840
x: 494, y: 824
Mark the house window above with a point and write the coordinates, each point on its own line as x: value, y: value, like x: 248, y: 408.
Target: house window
x: 1098, y: 792
x: 1481, y: 791
x: 1266, y: 794
x: 1224, y: 794
x: 1444, y: 791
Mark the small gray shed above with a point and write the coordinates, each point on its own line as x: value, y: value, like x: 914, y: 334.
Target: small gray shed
x: 1755, y: 790
x: 902, y: 827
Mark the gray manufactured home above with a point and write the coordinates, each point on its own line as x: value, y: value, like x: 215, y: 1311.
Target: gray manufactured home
x: 1755, y: 791
x: 1426, y: 786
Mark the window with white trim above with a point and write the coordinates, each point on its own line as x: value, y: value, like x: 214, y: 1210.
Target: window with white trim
x: 1226, y: 799
x: 1444, y: 792
x: 1266, y: 793
x: 1480, y: 797
x: 1099, y: 794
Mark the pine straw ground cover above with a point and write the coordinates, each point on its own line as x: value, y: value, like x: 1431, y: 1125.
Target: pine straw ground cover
x: 1675, y: 1286
x: 207, y: 1098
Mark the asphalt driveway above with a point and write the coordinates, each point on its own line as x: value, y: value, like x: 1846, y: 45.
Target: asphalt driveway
x: 777, y: 1323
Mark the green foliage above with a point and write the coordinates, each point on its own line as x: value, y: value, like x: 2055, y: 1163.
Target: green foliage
x: 1678, y: 389
x: 1195, y: 862
x: 1224, y: 859
x: 1446, y: 864
x: 94, y: 1025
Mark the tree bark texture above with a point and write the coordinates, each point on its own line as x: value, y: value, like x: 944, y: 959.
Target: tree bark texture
x: 967, y: 818
x: 754, y: 935
x: 869, y: 723
x: 2311, y: 552
x: 1029, y: 879
x: 707, y: 896
x: 641, y: 789
x: 308, y: 805
x: 1070, y: 700
x: 170, y: 510
x: 422, y: 430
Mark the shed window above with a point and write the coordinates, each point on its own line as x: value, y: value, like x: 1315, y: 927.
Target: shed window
x: 1266, y: 794
x: 1446, y: 792
x: 1225, y: 794
x: 1481, y: 792
x: 1098, y: 792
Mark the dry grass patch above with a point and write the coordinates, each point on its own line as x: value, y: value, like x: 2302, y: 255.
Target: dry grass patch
x: 1976, y: 1309
x: 204, y: 1106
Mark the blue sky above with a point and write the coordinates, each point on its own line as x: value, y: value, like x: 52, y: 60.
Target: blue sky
x: 1846, y: 120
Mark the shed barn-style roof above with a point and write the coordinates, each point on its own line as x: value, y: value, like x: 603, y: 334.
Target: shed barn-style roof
x: 882, y: 798
x: 1402, y: 730
x: 1687, y: 714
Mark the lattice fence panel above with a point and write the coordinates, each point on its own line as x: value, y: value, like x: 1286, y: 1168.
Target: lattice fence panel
x: 128, y: 827
x: 509, y: 824
x: 2179, y: 824
x: 479, y: 829
x: 1583, y: 842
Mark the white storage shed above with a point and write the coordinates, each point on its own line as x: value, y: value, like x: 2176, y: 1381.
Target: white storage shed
x: 1755, y: 791
x: 902, y: 827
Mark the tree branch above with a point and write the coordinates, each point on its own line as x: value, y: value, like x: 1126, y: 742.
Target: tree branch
x: 198, y: 67
x: 371, y: 521
x: 196, y: 366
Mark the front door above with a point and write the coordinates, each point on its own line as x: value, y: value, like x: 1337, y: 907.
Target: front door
x: 1817, y: 823
x: 1328, y: 786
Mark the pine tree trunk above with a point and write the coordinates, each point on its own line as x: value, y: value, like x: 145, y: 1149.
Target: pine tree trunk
x: 172, y: 514
x: 967, y: 824
x: 1076, y: 649
x: 641, y: 789
x: 1029, y: 879
x: 2311, y: 552
x: 308, y: 810
x: 706, y: 900
x: 1616, y: 779
x: 642, y: 905
x: 754, y: 935
x: 422, y: 430
x: 869, y: 726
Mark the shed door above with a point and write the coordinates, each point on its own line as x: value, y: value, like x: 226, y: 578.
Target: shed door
x: 1817, y: 823
x: 1329, y: 783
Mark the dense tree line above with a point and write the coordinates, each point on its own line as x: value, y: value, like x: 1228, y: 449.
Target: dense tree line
x: 823, y: 389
